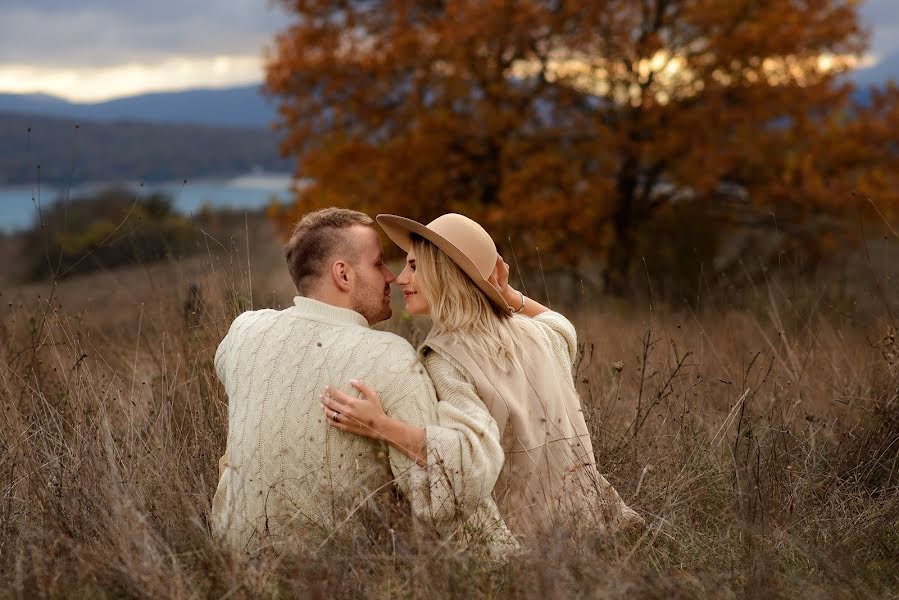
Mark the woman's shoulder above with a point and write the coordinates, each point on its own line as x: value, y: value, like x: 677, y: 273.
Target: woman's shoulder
x: 556, y: 321
x: 446, y: 372
x: 440, y: 361
x: 557, y: 331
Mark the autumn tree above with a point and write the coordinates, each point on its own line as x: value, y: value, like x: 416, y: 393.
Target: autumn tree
x: 575, y: 125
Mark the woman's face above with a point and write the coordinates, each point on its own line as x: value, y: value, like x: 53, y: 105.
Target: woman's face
x: 416, y: 301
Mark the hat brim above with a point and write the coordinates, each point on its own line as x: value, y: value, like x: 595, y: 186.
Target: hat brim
x: 400, y: 230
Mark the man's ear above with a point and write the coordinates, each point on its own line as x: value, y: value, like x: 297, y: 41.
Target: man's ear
x: 342, y: 275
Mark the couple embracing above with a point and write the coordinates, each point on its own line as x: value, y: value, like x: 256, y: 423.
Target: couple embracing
x: 481, y: 431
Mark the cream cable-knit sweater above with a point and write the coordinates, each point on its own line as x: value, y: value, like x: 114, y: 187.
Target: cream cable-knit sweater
x: 465, y: 455
x: 464, y: 460
x: 284, y: 468
x: 549, y: 475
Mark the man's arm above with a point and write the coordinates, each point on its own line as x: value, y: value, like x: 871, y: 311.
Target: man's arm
x: 410, y: 405
x: 409, y: 398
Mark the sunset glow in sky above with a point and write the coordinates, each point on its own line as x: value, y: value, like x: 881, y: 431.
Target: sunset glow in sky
x: 98, y: 83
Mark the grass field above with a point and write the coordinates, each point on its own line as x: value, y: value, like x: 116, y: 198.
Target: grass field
x: 758, y: 434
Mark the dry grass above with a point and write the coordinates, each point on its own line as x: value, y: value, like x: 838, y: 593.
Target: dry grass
x: 762, y: 444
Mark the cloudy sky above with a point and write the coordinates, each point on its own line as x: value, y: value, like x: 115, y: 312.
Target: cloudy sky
x: 91, y: 50
x: 882, y: 19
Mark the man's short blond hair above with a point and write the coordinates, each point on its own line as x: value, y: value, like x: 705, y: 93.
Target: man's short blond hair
x: 317, y: 238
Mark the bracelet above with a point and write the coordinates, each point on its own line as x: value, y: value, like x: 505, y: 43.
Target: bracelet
x: 520, y: 308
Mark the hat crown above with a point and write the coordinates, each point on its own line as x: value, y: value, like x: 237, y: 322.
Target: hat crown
x: 470, y: 238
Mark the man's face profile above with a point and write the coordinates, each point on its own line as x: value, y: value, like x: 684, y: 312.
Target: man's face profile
x: 370, y: 295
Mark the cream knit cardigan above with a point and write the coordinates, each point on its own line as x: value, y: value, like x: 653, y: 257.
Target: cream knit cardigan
x: 465, y: 455
x: 284, y: 468
x: 548, y: 474
x: 464, y: 460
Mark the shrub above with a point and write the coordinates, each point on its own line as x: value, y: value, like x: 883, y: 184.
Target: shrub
x: 112, y: 228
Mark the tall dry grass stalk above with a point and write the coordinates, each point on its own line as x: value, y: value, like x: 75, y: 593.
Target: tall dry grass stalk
x: 763, y: 449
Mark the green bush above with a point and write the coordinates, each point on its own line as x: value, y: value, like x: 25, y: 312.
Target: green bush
x: 112, y: 228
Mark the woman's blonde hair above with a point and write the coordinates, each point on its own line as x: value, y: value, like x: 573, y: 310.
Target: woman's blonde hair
x: 462, y: 312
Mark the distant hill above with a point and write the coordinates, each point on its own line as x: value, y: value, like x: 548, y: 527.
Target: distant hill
x: 231, y: 107
x: 128, y: 150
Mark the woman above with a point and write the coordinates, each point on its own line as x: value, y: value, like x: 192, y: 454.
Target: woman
x: 503, y: 362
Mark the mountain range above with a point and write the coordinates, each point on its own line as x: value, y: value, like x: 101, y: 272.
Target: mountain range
x: 62, y: 150
x: 150, y: 137
x: 230, y: 107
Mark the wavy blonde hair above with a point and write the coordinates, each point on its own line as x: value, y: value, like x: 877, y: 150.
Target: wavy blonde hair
x: 462, y: 312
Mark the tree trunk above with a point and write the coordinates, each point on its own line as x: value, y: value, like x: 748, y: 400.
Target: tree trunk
x: 621, y: 251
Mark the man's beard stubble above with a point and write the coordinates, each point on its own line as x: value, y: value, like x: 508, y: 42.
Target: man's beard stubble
x: 368, y: 301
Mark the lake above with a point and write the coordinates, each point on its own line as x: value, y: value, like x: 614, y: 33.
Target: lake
x: 252, y: 191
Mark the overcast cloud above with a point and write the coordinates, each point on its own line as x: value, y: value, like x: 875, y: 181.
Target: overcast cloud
x: 882, y: 19
x: 96, y: 33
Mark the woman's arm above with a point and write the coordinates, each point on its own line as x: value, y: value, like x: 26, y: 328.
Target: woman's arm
x: 463, y: 454
x: 365, y: 416
x: 521, y: 304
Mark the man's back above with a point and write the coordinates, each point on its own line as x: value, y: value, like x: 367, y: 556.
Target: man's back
x: 285, y: 468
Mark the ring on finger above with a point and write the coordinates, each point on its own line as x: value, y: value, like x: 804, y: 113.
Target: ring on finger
x: 335, y: 416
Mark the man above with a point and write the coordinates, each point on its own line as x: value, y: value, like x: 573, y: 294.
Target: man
x: 284, y: 468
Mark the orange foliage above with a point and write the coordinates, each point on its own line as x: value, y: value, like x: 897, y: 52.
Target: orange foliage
x: 573, y: 123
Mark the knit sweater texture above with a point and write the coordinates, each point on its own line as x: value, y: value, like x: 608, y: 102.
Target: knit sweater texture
x: 284, y: 467
x: 465, y: 453
x: 464, y: 460
x: 508, y: 487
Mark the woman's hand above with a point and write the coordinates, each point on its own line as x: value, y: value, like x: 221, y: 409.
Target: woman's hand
x: 362, y: 416
x: 366, y: 417
x: 500, y: 280
x: 516, y: 300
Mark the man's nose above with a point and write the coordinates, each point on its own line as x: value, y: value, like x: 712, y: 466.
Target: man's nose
x: 391, y: 276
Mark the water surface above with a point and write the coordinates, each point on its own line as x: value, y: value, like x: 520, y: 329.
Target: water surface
x: 19, y: 204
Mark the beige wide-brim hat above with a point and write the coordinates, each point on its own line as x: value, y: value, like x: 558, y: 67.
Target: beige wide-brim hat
x: 462, y: 239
